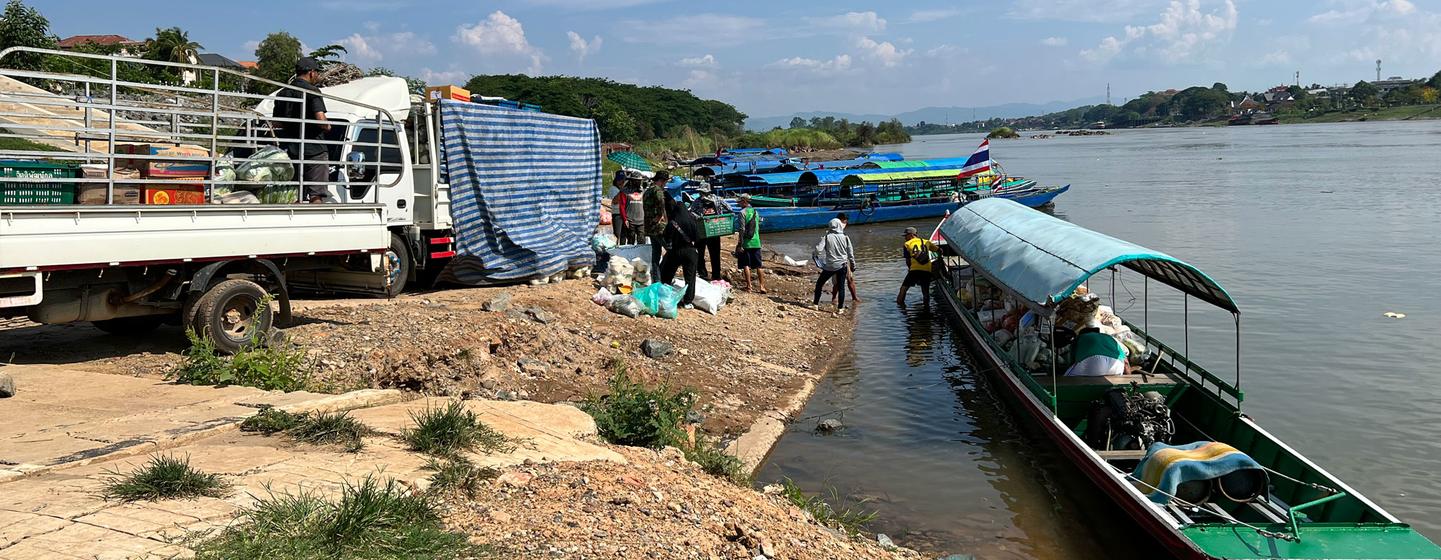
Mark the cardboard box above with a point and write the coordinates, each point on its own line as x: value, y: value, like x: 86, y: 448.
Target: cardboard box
x: 447, y: 92
x: 163, y: 168
x: 162, y: 193
x: 94, y: 193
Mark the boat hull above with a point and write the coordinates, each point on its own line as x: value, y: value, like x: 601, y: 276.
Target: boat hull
x: 1038, y: 415
x: 790, y: 219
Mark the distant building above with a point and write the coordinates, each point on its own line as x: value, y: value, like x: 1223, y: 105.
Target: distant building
x: 1246, y: 104
x: 1394, y: 82
x: 212, y: 59
x: 126, y: 45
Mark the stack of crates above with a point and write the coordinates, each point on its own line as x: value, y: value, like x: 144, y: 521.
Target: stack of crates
x: 57, y: 191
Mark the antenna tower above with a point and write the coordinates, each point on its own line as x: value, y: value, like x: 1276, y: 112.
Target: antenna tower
x: 1378, y: 69
x: 1108, y: 93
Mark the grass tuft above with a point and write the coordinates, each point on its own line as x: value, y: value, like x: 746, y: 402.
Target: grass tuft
x: 452, y: 429
x: 458, y: 474
x: 163, y: 477
x: 336, y: 428
x: 371, y: 520
x: 848, y: 520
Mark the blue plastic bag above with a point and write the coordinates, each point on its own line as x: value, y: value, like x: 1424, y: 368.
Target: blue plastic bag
x: 659, y: 299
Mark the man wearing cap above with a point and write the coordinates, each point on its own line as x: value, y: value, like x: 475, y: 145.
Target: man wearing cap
x: 297, y: 102
x: 707, y: 203
x: 919, y: 265
x: 748, y: 244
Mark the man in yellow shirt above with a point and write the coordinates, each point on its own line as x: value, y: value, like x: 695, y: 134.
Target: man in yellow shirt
x: 919, y: 265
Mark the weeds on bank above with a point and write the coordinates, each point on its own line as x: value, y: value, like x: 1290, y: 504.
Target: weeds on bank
x: 336, y: 428
x: 371, y: 520
x: 849, y: 520
x: 162, y: 478
x: 279, y: 367
x: 452, y: 429
x: 458, y: 474
x: 636, y: 415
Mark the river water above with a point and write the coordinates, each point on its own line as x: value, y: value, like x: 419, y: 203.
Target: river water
x: 1316, y: 230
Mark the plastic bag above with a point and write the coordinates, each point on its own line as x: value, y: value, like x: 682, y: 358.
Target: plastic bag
x: 619, y: 273
x: 267, y: 165
x: 602, y: 297
x: 626, y: 305
x: 709, y: 297
x: 602, y: 242
x: 659, y: 299
x: 642, y: 271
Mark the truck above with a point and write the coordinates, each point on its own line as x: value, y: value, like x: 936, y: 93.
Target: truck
x: 83, y: 237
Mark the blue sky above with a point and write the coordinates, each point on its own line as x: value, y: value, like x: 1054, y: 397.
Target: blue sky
x: 772, y: 58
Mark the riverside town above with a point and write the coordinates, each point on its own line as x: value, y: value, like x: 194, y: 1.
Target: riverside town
x: 623, y: 279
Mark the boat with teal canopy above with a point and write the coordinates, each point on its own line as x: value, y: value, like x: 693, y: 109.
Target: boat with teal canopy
x: 1157, y: 433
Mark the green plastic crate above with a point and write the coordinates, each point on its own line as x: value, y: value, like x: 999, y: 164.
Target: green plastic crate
x: 47, y: 192
x: 719, y: 225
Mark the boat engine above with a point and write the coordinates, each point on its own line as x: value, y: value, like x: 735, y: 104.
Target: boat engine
x: 1129, y: 419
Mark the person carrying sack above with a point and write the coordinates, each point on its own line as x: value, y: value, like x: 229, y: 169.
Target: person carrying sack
x: 917, y: 252
x: 835, y: 256
x: 683, y: 233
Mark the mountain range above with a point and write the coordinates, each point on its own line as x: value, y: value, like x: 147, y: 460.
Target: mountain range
x: 942, y: 115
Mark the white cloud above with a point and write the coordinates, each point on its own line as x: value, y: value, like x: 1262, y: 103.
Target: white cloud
x: 865, y: 22
x: 591, y: 5
x: 706, y: 61
x: 943, y: 50
x: 1355, y: 13
x: 500, y: 35
x: 695, y: 30
x: 1054, y: 41
x: 698, y: 78
x: 1094, y: 11
x: 924, y: 16
x: 581, y: 47
x: 443, y: 76
x: 374, y: 48
x: 1183, y: 33
x: 839, y: 63
x: 1276, y: 58
x: 883, y: 51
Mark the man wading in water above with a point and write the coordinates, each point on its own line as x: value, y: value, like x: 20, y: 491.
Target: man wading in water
x: 919, y: 266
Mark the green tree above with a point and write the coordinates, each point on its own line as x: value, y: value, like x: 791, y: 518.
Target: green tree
x: 797, y: 122
x: 275, y: 57
x: 23, y: 26
x: 1435, y: 81
x: 171, y: 44
x: 1221, y: 87
x: 614, y: 123
x: 1363, y: 92
x: 328, y: 54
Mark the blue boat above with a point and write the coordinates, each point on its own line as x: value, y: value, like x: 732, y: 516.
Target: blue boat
x: 787, y: 219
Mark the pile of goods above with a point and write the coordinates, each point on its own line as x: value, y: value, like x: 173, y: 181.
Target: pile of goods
x: 1015, y: 328
x: 625, y: 285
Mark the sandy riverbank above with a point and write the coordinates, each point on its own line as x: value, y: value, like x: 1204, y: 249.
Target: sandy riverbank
x: 549, y: 343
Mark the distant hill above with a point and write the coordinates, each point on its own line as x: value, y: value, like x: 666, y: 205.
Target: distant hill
x: 930, y: 114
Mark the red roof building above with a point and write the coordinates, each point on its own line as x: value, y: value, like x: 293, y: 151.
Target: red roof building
x: 77, y: 41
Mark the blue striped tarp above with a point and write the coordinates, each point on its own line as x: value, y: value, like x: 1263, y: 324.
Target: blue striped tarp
x: 524, y: 190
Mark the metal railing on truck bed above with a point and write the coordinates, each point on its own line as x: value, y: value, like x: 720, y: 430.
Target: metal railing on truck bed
x: 103, y: 129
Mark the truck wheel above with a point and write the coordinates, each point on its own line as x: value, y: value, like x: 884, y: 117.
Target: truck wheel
x: 130, y: 326
x: 400, y: 265
x: 230, y: 315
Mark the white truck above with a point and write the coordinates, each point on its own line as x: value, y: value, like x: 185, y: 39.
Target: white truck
x: 128, y: 263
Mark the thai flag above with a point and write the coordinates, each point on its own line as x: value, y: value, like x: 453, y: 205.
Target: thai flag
x: 979, y: 162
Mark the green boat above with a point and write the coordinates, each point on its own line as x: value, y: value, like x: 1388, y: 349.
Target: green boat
x: 1262, y: 499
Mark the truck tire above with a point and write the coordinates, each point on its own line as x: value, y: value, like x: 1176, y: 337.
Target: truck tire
x: 231, y: 317
x: 131, y: 326
x: 400, y: 265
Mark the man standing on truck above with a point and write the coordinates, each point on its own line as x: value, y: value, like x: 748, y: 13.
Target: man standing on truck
x: 297, y: 102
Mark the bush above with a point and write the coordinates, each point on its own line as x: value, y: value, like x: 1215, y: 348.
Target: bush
x: 372, y: 520
x: 849, y: 520
x: 451, y: 430
x: 273, y: 368
x: 318, y: 429
x: 1003, y: 132
x: 636, y: 415
x: 162, y: 478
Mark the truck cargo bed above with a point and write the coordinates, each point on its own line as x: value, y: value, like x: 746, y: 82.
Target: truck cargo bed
x: 69, y: 237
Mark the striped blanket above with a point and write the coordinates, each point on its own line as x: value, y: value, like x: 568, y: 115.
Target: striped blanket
x: 1165, y: 467
x: 524, y: 188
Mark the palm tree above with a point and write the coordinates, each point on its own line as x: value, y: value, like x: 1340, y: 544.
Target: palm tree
x: 328, y: 54
x: 172, y: 45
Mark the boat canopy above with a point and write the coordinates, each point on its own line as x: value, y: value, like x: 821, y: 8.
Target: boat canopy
x: 918, y: 164
x: 897, y: 176
x: 1044, y: 259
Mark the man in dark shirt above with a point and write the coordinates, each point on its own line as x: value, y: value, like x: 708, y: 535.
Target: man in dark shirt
x: 683, y: 232
x: 292, y: 103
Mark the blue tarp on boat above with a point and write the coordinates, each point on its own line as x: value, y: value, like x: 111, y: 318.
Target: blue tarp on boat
x: 523, y: 188
x: 1043, y: 258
